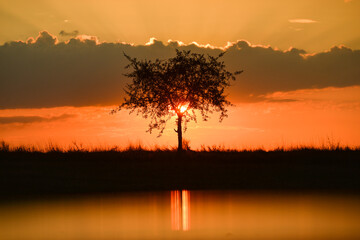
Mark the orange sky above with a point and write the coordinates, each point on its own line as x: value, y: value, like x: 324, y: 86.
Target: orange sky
x: 322, y: 117
x: 313, y: 25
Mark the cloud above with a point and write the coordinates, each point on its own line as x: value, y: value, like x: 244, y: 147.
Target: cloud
x: 302, y: 20
x: 88, y: 39
x: 33, y: 119
x: 339, y: 95
x: 45, y: 39
x: 69, y: 34
x: 43, y: 72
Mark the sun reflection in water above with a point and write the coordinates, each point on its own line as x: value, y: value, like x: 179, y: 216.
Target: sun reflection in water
x: 180, y: 210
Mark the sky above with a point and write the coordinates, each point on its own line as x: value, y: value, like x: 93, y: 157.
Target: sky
x: 62, y: 66
x: 313, y: 25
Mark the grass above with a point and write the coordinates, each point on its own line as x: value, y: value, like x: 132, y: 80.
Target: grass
x: 79, y: 147
x: 28, y: 172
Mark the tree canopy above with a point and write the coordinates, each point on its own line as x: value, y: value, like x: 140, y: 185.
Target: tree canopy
x: 182, y: 85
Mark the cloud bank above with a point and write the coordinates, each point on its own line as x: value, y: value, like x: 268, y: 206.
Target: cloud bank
x: 43, y: 72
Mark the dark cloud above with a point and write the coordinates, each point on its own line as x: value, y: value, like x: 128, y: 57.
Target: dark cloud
x: 33, y: 119
x: 268, y: 70
x: 69, y: 34
x: 44, y: 39
x: 47, y: 73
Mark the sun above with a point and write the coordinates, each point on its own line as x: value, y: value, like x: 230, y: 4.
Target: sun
x: 183, y: 108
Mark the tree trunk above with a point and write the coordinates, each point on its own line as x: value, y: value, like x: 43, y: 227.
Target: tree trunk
x: 179, y: 132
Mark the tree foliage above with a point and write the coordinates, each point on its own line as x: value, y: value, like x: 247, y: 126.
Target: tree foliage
x: 181, y: 85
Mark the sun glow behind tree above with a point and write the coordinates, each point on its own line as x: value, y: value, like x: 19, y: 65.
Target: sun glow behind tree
x: 181, y: 108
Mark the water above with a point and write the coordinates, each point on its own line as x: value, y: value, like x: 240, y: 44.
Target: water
x: 185, y: 215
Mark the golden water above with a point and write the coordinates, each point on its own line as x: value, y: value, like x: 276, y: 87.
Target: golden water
x: 185, y: 215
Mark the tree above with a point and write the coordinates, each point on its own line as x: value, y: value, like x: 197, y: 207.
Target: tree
x: 177, y: 86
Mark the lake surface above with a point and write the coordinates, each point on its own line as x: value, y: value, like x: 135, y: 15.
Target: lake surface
x: 185, y: 215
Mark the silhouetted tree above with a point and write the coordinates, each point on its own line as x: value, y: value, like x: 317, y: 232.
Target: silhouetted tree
x: 177, y: 86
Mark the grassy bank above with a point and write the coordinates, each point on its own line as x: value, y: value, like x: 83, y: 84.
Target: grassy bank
x: 27, y: 174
